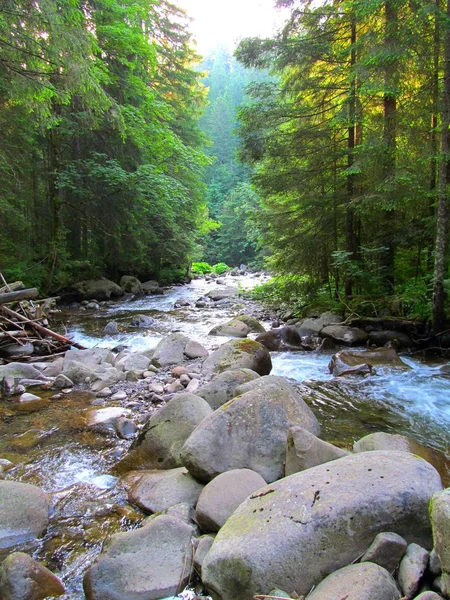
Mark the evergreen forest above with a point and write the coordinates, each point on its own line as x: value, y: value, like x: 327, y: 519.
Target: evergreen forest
x: 321, y: 154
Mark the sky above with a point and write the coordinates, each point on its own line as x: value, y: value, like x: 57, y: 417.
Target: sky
x: 225, y: 22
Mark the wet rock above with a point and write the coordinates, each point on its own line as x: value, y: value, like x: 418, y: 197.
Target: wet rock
x: 254, y: 324
x: 161, y: 489
x: 181, y: 303
x: 11, y: 350
x: 170, y: 350
x: 233, y: 328
x: 111, y: 328
x: 283, y: 338
x: 386, y: 550
x: 440, y: 521
x: 27, y: 397
x: 365, y: 581
x: 305, y: 450
x: 19, y: 371
x: 93, y: 305
x: 294, y: 532
x: 412, y: 569
x: 152, y: 562
x: 125, y: 428
x: 23, y: 513
x: 22, y: 578
x: 434, y: 564
x: 380, y: 338
x: 62, y: 382
x: 203, y: 547
x: 389, y: 441
x: 143, y: 322
x: 29, y: 403
x: 248, y: 432
x: 163, y: 436
x: 130, y: 285
x: 91, y: 357
x: 195, y: 350
x: 101, y: 289
x: 103, y: 420
x: 238, y: 354
x: 223, y: 293
x: 380, y: 357
x: 223, y: 386
x: 221, y: 497
x: 350, y: 336
x: 151, y: 287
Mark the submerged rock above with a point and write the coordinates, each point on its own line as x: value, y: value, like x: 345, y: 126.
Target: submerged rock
x: 22, y: 578
x: 296, y: 531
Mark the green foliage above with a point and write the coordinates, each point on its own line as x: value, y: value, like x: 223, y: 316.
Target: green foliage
x: 201, y: 268
x: 220, y: 268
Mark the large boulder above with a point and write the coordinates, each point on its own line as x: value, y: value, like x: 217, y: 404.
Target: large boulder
x: 233, y: 328
x: 170, y: 350
x: 440, y: 520
x: 379, y: 357
x: 222, y: 293
x: 380, y: 338
x: 223, y: 386
x: 294, y: 532
x: 163, y: 436
x: 151, y: 287
x: 316, y: 324
x: 393, y: 441
x: 130, y: 284
x: 148, y: 563
x: 350, y: 336
x: 254, y: 324
x: 239, y: 354
x: 98, y: 289
x: 305, y: 450
x: 24, y: 512
x: 158, y: 490
x: 221, y: 497
x: 282, y: 338
x: 22, y: 578
x: 249, y: 432
x: 365, y: 581
x: 19, y: 371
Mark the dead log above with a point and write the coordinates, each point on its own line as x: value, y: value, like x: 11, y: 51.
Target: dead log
x: 28, y: 294
x: 40, y: 328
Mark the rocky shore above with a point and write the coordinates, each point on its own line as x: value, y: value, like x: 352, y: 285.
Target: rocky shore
x: 242, y: 494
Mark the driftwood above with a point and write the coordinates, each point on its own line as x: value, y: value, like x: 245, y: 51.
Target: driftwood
x: 29, y: 294
x: 11, y: 287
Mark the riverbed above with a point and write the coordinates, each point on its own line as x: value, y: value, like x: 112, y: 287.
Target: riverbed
x: 51, y: 448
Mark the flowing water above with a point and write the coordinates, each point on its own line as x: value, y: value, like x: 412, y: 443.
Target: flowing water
x: 51, y: 447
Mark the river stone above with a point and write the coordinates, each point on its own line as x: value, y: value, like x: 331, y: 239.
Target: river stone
x: 251, y: 322
x: 130, y: 284
x: 305, y: 450
x: 111, y: 328
x: 221, y: 497
x: 104, y: 420
x: 170, y: 350
x: 233, y: 328
x: 105, y: 377
x: 161, y: 489
x: 434, y: 564
x: 78, y: 372
x: 390, y: 441
x: 23, y: 513
x: 12, y: 350
x: 125, y: 428
x: 283, y: 338
x: 380, y: 338
x: 150, y: 287
x: 222, y: 293
x: 248, y: 432
x: 164, y: 434
x: 379, y: 357
x: 133, y: 362
x: 61, y: 382
x: 22, y: 578
x: 143, y: 322
x: 412, y: 569
x: 203, y: 547
x: 152, y: 562
x: 440, y: 521
x: 428, y: 596
x: 195, y: 350
x: 365, y: 581
x: 90, y: 357
x: 350, y: 336
x: 54, y: 368
x: 386, y: 550
x: 223, y: 386
x: 237, y: 354
x: 100, y: 289
x: 315, y: 325
x: 296, y: 531
x: 20, y: 371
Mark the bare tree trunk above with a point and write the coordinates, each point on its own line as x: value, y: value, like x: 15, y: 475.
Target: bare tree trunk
x: 443, y: 194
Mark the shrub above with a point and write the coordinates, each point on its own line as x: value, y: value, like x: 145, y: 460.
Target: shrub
x: 220, y: 268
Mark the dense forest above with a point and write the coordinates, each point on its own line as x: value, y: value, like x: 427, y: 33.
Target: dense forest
x: 118, y: 152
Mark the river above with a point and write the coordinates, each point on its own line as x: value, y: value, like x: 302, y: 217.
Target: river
x: 52, y: 449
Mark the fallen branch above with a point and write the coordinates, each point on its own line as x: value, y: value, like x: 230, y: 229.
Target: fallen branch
x: 29, y: 294
x: 41, y: 329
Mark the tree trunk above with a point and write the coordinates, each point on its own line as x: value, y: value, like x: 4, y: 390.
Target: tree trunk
x: 443, y: 187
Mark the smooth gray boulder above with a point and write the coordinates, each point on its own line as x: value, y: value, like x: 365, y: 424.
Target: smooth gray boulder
x: 254, y: 324
x: 133, y: 362
x: 223, y: 386
x: 233, y: 328
x: 203, y: 547
x: 91, y: 357
x: 162, y: 489
x: 195, y: 350
x: 130, y: 284
x: 239, y: 354
x: 221, y: 497
x: 350, y: 336
x: 98, y: 289
x: 151, y: 287
x: 428, y: 596
x: 305, y: 450
x: 345, y: 360
x: 365, y: 581
x: 24, y: 512
x: 386, y: 550
x: 248, y: 432
x: 440, y: 521
x: 22, y: 578
x: 412, y: 569
x: 163, y: 436
x: 223, y: 293
x: 105, y: 377
x: 170, y: 350
x: 20, y: 371
x: 149, y: 563
x: 294, y: 532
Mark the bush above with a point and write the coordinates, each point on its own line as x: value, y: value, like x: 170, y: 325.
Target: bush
x: 220, y: 268
x: 200, y: 268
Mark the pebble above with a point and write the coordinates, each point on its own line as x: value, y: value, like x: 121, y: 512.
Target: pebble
x: 119, y: 396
